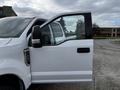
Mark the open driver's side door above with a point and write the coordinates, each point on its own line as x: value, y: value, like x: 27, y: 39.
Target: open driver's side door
x: 63, y: 50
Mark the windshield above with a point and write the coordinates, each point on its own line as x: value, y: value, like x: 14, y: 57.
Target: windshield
x: 12, y: 27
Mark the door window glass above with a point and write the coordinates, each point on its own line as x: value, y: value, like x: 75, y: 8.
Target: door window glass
x: 57, y: 32
x: 73, y: 26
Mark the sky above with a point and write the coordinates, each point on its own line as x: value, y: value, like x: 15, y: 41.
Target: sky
x: 105, y: 13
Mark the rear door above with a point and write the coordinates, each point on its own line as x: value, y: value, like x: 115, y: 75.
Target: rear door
x: 67, y: 51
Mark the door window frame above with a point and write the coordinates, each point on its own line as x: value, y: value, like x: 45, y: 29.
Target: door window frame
x: 88, y: 22
x: 88, y: 26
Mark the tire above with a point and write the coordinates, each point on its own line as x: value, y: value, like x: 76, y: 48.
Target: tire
x: 7, y: 88
x: 10, y: 85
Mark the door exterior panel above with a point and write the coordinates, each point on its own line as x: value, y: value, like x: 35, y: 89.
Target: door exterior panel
x: 62, y: 62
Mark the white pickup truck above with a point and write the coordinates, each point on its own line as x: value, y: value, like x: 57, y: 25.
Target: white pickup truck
x: 35, y: 50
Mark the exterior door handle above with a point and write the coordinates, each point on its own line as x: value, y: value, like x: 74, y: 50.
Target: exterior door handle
x: 83, y: 50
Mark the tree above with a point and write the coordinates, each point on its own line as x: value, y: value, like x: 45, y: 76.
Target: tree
x: 62, y: 22
x: 95, y: 25
x: 96, y: 30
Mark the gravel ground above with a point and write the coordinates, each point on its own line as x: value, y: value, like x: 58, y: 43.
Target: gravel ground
x: 106, y: 70
x: 107, y: 65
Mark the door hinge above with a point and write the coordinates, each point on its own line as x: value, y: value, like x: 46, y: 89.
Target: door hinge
x: 27, y: 56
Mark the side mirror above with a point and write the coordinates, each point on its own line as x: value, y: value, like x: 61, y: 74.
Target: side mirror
x: 36, y: 37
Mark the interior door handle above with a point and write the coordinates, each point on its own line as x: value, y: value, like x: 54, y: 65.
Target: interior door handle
x: 83, y: 50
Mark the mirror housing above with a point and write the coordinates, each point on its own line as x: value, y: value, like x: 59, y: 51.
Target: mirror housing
x: 36, y: 37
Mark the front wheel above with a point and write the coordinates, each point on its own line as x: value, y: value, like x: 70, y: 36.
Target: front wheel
x: 6, y: 87
x: 11, y: 84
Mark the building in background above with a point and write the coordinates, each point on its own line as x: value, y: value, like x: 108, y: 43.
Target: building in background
x: 7, y: 11
x: 106, y: 32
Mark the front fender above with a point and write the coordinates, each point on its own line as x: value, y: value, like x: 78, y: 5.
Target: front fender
x: 17, y: 68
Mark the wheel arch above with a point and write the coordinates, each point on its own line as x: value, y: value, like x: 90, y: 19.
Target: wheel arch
x: 17, y: 69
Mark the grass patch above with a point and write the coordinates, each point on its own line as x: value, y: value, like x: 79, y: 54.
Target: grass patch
x: 118, y: 42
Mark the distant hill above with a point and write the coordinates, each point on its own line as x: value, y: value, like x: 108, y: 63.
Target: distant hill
x: 7, y: 11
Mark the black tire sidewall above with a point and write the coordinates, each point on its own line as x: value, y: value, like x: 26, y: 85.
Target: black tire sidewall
x: 12, y: 87
x: 5, y: 87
